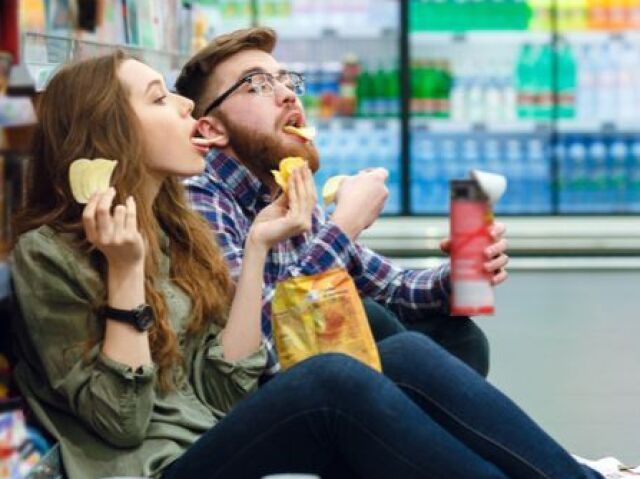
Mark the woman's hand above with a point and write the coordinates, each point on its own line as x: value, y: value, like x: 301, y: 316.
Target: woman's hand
x: 115, y: 235
x: 290, y: 214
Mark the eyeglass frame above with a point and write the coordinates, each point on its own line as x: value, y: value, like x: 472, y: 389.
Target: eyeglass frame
x: 247, y: 79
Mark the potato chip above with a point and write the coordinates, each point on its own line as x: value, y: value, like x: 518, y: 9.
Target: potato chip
x: 330, y: 188
x: 89, y: 176
x: 306, y: 132
x: 287, y: 165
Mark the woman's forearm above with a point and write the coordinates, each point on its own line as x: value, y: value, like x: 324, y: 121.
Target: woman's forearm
x: 243, y: 333
x: 123, y: 342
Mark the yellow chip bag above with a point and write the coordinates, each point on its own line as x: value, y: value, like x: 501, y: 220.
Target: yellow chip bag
x: 287, y: 165
x: 318, y: 314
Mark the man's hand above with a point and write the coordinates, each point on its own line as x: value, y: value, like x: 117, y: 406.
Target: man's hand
x: 290, y: 214
x: 360, y: 200
x: 497, y: 258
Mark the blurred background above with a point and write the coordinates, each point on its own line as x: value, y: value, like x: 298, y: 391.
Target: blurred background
x: 546, y: 92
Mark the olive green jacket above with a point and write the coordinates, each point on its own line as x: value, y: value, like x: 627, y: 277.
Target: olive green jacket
x: 110, y: 419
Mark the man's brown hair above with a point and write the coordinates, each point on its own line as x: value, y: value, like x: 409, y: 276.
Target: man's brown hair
x: 197, y: 74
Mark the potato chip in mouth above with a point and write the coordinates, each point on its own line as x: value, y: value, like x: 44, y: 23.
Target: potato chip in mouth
x: 307, y: 133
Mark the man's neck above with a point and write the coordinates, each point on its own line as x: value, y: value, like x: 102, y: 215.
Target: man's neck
x: 266, y: 178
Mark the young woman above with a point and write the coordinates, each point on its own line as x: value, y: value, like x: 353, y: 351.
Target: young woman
x: 141, y: 358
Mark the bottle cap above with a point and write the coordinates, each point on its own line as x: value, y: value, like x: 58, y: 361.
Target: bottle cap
x: 492, y: 184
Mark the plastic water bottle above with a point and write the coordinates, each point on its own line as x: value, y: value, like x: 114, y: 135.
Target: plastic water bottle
x: 618, y: 159
x: 566, y: 82
x: 597, y: 171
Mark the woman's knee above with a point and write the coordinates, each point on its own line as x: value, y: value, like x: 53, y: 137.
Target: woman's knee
x: 333, y: 375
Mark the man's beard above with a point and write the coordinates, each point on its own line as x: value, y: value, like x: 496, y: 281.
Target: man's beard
x: 261, y: 152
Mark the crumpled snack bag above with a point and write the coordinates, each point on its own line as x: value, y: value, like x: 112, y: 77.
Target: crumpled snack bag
x: 321, y: 313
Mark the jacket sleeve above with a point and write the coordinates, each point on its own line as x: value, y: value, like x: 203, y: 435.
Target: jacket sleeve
x: 56, y: 292
x: 221, y: 383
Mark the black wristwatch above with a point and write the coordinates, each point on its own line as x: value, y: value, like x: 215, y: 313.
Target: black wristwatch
x: 141, y: 317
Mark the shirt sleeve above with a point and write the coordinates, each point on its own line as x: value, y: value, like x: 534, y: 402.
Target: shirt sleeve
x: 408, y: 293
x: 56, y: 296
x: 326, y: 247
x: 221, y: 383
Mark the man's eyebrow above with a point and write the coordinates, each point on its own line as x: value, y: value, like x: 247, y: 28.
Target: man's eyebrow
x: 151, y: 84
x: 248, y: 71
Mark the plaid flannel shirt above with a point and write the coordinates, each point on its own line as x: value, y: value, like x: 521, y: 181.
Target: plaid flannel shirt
x: 229, y: 197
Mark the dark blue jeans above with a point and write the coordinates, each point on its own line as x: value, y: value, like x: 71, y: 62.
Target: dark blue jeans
x: 428, y: 416
x: 459, y: 335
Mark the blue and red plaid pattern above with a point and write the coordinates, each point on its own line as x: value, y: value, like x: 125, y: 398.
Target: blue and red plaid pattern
x: 229, y: 197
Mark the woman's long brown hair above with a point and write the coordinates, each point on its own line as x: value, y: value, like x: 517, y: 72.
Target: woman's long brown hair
x: 85, y: 113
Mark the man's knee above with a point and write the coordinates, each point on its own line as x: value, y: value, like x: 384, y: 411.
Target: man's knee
x: 460, y: 336
x: 382, y: 321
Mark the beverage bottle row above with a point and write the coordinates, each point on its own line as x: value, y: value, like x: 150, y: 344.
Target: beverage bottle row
x: 349, y: 150
x: 349, y: 89
x: 431, y: 82
x: 581, y: 15
x: 437, y: 158
x: 336, y: 15
x: 598, y: 173
x: 463, y: 15
x: 483, y: 92
x: 613, y: 14
x: 546, y: 82
x: 545, y: 79
x: 536, y: 15
x: 608, y: 81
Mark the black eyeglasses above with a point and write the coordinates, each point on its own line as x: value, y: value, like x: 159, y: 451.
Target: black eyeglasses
x: 264, y: 84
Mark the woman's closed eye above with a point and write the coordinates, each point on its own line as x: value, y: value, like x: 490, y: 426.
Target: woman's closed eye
x: 160, y: 100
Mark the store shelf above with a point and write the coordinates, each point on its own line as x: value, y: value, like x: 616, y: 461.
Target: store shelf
x: 590, y: 37
x: 315, y: 32
x: 480, y: 38
x: 449, y: 126
x: 509, y: 37
x: 44, y: 53
x: 356, y: 124
x: 543, y: 263
x: 595, y: 126
x: 563, y: 236
x: 526, y: 126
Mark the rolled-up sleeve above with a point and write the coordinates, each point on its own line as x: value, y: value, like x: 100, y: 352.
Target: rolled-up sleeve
x: 222, y: 383
x: 56, y: 293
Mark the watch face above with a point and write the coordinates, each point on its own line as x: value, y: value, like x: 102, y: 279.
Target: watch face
x: 144, y: 317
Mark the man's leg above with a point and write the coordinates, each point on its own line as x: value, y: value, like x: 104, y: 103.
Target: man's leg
x: 457, y: 334
x: 382, y: 321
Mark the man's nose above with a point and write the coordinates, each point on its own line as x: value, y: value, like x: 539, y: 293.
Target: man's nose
x: 283, y: 94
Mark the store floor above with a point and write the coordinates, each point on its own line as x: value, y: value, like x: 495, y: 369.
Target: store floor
x: 566, y: 348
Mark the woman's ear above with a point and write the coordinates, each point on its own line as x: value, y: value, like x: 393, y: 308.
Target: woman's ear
x: 213, y: 130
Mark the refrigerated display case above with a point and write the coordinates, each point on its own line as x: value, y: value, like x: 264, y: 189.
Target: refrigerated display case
x: 348, y: 51
x: 543, y: 91
x: 546, y: 92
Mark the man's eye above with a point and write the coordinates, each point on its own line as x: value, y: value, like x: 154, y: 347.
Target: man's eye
x: 160, y: 100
